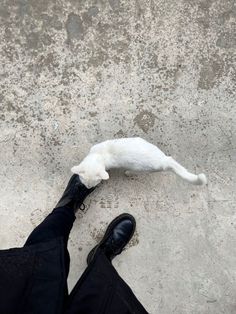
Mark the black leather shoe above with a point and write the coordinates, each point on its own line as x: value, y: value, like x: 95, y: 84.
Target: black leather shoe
x: 74, y: 194
x: 118, y: 234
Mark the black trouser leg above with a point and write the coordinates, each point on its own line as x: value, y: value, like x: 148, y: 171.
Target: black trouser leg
x: 101, y: 290
x: 57, y: 224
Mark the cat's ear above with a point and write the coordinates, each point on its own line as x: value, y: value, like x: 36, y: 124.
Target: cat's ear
x: 104, y: 175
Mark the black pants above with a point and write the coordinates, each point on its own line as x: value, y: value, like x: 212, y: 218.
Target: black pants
x: 100, y: 290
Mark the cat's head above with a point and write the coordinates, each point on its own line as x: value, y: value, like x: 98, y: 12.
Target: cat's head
x: 90, y: 175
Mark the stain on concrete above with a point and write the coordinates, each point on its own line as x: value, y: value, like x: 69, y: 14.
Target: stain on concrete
x: 74, y: 27
x: 119, y: 134
x: 21, y: 119
x: 32, y: 6
x: 33, y: 40
x: 203, y: 16
x: 227, y: 16
x: 211, y: 301
x: 97, y: 235
x: 227, y: 40
x: 109, y: 201
x: 4, y: 12
x: 115, y: 4
x: 49, y: 61
x: 93, y: 114
x: 204, y: 5
x: 51, y: 21
x: 210, y: 73
x: 93, y: 11
x: 145, y: 120
x: 88, y: 15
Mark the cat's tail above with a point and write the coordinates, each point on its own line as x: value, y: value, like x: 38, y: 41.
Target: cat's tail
x: 174, y: 166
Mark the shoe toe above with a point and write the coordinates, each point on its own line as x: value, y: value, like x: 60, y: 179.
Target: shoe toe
x: 123, y: 231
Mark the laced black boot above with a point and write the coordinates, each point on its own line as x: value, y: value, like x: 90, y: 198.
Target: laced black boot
x: 74, y: 194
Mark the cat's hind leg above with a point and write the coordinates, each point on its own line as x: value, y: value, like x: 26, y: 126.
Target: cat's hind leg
x: 174, y: 166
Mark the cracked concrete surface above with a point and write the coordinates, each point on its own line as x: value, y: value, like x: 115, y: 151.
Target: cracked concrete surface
x: 74, y: 73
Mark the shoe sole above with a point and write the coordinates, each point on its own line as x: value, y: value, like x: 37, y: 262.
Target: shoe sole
x: 107, y: 233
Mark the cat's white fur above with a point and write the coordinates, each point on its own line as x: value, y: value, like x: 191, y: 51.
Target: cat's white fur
x: 134, y: 154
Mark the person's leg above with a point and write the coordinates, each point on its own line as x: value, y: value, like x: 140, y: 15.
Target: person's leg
x: 60, y: 221
x: 57, y: 224
x: 101, y: 290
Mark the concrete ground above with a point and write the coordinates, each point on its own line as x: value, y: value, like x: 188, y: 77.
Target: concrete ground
x: 74, y: 73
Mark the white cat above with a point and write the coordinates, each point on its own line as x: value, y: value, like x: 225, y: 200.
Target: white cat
x: 134, y: 154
